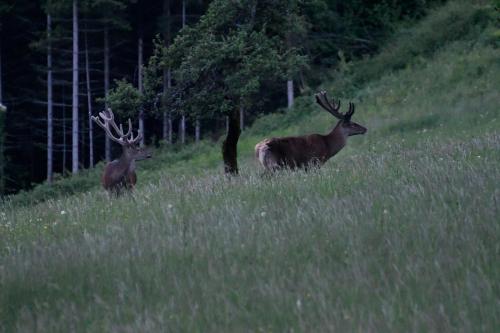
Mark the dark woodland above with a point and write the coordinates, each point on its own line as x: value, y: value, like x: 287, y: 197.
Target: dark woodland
x: 318, y: 30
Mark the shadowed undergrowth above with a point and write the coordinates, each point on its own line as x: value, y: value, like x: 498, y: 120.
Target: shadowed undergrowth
x: 399, y: 232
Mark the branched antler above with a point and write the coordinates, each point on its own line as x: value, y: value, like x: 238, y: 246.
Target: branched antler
x: 333, y: 108
x: 107, y: 118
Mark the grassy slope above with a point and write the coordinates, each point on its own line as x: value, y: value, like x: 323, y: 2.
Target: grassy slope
x: 398, y: 232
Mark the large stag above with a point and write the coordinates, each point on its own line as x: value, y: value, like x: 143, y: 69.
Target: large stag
x: 120, y: 173
x: 309, y: 150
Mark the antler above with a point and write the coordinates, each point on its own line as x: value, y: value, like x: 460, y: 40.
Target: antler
x: 109, y: 119
x: 133, y: 140
x: 333, y: 109
x: 349, y: 113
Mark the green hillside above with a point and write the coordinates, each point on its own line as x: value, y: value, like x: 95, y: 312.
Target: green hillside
x: 398, y: 232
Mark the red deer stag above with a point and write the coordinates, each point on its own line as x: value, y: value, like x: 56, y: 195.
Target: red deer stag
x: 120, y: 173
x: 309, y: 150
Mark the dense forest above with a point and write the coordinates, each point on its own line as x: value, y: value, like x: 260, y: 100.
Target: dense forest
x: 179, y: 69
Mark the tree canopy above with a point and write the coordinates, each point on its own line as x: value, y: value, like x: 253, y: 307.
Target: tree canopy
x: 224, y: 61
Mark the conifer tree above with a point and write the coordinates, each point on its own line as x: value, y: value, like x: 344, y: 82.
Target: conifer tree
x: 50, y: 101
x: 75, y: 123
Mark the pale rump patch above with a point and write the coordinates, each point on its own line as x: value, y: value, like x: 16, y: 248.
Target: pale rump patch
x: 264, y: 155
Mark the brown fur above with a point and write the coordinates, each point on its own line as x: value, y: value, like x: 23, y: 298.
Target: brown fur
x: 120, y: 174
x: 305, y: 151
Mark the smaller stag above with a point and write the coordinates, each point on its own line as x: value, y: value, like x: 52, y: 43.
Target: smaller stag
x: 120, y: 173
x: 309, y: 150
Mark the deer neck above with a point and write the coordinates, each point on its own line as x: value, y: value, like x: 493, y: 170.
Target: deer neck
x: 336, y: 140
x: 126, y: 161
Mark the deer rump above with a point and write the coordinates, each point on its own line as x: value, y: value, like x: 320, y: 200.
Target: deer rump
x: 292, y: 152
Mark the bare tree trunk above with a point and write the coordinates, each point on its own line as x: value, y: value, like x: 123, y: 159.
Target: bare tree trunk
x: 82, y: 141
x: 139, y: 83
x: 183, y: 13
x: 89, y: 105
x: 74, y: 164
x: 107, y: 141
x: 289, y: 88
x: 165, y: 113
x: 242, y: 118
x: 2, y: 127
x: 230, y: 144
x: 182, y: 124
x: 182, y: 129
x: 50, y: 140
x: 167, y: 118
x: 167, y: 121
x: 1, y: 80
x: 64, y: 133
x: 197, y: 130
x: 169, y: 115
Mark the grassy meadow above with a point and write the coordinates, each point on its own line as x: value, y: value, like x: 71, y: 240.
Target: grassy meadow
x: 399, y: 232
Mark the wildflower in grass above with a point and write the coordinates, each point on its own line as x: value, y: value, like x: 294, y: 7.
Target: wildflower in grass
x: 262, y: 214
x: 299, y: 304
x: 386, y: 212
x: 170, y: 206
x: 63, y: 212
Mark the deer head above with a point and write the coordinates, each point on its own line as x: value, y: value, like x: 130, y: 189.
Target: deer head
x: 131, y: 150
x: 347, y: 126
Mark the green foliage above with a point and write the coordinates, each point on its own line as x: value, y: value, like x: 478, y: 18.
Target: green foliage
x: 356, y: 27
x: 4, y: 9
x: 57, y: 7
x: 111, y: 12
x: 63, y: 185
x: 153, y: 79
x: 233, y: 54
x: 124, y: 99
x: 496, y: 14
x: 457, y: 20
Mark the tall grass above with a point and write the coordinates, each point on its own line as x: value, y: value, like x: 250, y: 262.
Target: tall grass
x: 399, y: 232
